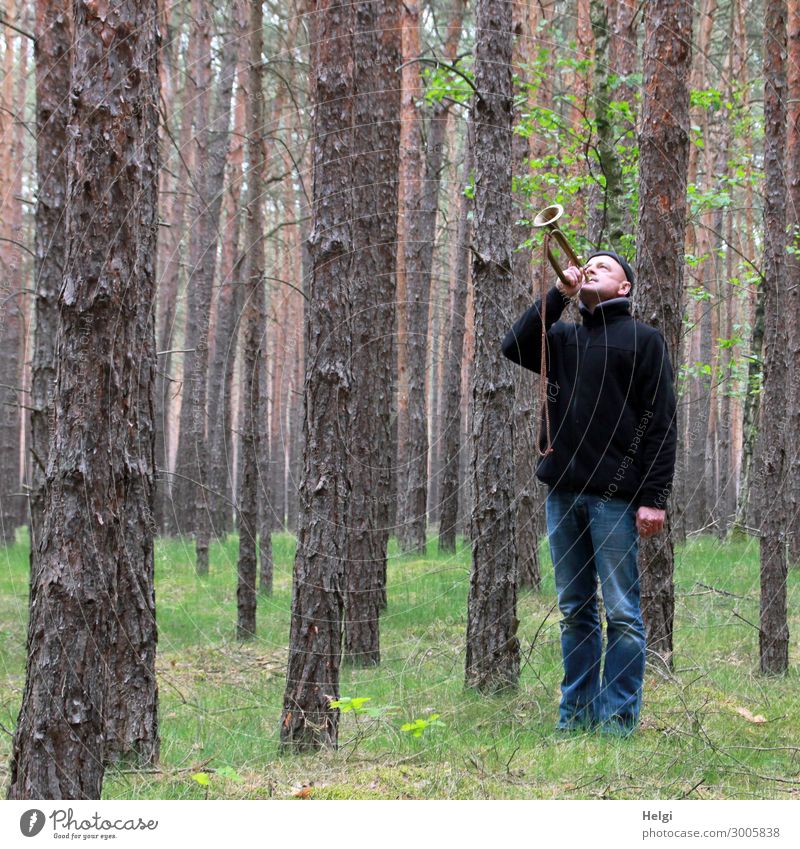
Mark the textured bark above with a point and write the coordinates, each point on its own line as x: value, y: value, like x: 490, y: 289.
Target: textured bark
x: 528, y: 503
x: 254, y: 328
x: 793, y: 267
x: 664, y: 152
x: 229, y: 309
x: 217, y: 153
x: 265, y: 516
x: 308, y: 721
x: 191, y: 463
x: 492, y: 646
x: 452, y: 417
x: 774, y: 440
x: 375, y: 171
x: 96, y: 538
x: 53, y: 40
x: 411, y: 170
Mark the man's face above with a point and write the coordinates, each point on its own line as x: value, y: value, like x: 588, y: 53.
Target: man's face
x: 604, y: 279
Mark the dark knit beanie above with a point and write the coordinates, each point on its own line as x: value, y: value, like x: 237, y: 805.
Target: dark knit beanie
x: 621, y: 260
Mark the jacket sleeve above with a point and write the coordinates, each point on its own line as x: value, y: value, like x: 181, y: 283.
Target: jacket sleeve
x: 523, y: 343
x: 657, y: 394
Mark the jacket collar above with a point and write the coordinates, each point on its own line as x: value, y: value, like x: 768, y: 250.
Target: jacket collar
x: 606, y: 311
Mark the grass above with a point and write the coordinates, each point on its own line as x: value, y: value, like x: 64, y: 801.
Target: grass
x: 702, y: 733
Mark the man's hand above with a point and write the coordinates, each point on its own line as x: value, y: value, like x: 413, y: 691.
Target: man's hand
x: 575, y: 276
x: 649, y: 521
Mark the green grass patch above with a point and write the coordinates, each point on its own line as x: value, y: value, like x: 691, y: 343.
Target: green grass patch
x: 714, y: 728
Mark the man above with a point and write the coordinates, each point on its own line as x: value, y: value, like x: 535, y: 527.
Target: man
x: 609, y: 467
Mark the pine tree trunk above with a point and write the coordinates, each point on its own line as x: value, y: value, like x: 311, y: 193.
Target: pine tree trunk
x: 454, y: 358
x: 12, y: 287
x: 169, y: 282
x: 492, y: 662
x: 608, y: 218
x: 411, y: 170
x: 773, y: 438
x: 375, y: 171
x: 793, y: 268
x: 53, y: 39
x: 308, y: 720
x: 254, y: 328
x: 664, y: 159
x: 96, y: 541
x: 190, y: 499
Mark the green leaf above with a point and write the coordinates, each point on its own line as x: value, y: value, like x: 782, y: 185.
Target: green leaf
x: 230, y: 773
x: 201, y: 778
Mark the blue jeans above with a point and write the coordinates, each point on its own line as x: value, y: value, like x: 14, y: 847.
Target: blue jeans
x: 593, y: 537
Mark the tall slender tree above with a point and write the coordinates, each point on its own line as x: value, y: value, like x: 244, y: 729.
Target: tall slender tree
x: 96, y: 540
x: 492, y: 645
x: 449, y: 490
x: 773, y: 437
x: 663, y: 165
x: 315, y: 644
x: 254, y: 327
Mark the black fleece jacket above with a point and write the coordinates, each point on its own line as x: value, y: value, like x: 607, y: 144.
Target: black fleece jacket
x: 610, y: 399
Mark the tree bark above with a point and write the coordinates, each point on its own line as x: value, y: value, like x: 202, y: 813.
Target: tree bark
x: 664, y: 159
x: 96, y: 541
x: 376, y: 143
x: 53, y: 42
x: 793, y: 268
x: 454, y: 358
x: 492, y: 662
x: 773, y: 438
x: 528, y: 503
x: 308, y: 720
x: 254, y: 330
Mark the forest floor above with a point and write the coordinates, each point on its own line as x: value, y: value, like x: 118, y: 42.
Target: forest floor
x: 713, y: 729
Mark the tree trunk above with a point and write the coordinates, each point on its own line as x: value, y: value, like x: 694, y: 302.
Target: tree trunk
x: 454, y: 358
x: 190, y: 499
x: 53, y: 41
x: 375, y: 170
x: 492, y: 646
x: 527, y: 502
x: 664, y: 159
x: 308, y: 720
x: 411, y: 169
x: 169, y: 283
x: 12, y: 273
x: 96, y: 541
x: 254, y: 330
x: 773, y: 438
x: 793, y: 269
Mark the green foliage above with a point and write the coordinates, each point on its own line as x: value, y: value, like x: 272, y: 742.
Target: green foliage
x: 418, y: 727
x: 442, y: 84
x: 357, y: 706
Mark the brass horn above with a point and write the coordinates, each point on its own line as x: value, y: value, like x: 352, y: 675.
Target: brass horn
x: 547, y: 218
